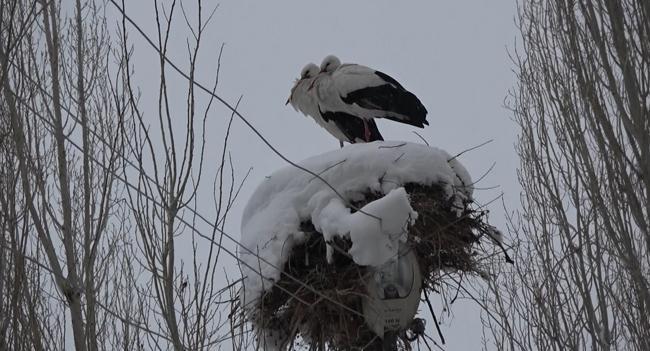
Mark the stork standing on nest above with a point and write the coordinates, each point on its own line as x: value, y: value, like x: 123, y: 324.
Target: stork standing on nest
x: 303, y: 98
x: 351, y: 91
x: 346, y: 98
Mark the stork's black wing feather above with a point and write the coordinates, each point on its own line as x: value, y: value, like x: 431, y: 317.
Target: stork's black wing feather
x: 390, y: 97
x: 389, y: 79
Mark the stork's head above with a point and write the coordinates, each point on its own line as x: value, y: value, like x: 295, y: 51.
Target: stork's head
x: 330, y: 64
x: 309, y: 71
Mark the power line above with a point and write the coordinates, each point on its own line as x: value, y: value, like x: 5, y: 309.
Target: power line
x: 155, y: 202
x: 185, y: 222
x: 148, y: 197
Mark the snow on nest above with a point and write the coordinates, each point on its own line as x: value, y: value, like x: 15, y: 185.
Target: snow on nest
x: 272, y: 217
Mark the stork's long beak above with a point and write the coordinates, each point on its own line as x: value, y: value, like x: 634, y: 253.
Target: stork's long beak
x: 292, y: 90
x: 311, y: 86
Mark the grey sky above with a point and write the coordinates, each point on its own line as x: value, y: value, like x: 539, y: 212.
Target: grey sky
x: 451, y: 54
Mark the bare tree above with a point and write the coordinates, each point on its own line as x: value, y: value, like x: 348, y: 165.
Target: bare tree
x: 582, y: 238
x: 99, y: 238
x: 60, y: 215
x: 169, y: 148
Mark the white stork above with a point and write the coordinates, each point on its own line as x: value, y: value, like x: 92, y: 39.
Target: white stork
x: 303, y: 99
x: 299, y: 98
x: 349, y: 91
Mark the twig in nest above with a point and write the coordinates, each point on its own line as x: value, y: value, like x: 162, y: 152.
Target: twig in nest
x: 421, y: 138
x: 470, y: 149
x: 457, y: 290
x: 505, y: 253
x: 426, y: 343
x: 484, y: 174
x: 391, y: 146
x: 328, y: 168
x: 433, y: 314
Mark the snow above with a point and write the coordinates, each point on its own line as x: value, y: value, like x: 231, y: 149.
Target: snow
x: 272, y: 217
x: 375, y: 242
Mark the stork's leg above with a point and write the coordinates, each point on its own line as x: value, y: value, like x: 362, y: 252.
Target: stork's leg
x: 366, y: 130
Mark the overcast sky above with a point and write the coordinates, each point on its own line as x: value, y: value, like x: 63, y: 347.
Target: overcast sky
x: 451, y: 54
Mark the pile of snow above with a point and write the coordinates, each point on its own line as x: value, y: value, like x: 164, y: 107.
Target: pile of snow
x: 272, y: 217
x: 376, y: 241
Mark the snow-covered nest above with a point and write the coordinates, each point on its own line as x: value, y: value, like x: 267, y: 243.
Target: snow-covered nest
x: 312, y: 245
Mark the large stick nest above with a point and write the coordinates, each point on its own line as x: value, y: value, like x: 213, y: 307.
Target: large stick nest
x: 440, y: 237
